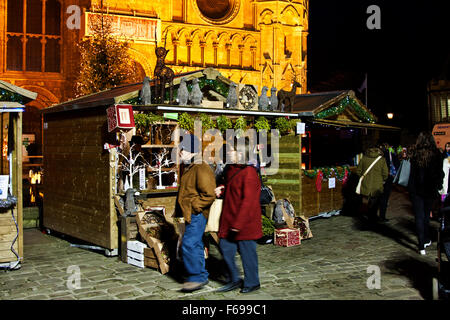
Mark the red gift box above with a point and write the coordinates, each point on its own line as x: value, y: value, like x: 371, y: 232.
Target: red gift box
x: 120, y: 116
x: 287, y: 237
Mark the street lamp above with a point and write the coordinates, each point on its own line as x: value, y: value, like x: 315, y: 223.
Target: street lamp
x: 390, y: 115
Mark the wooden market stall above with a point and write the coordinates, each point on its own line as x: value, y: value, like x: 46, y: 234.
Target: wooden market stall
x: 12, y: 101
x: 338, y: 129
x: 85, y: 191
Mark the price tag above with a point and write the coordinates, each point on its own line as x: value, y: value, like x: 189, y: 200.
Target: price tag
x: 142, y: 179
x: 331, y: 183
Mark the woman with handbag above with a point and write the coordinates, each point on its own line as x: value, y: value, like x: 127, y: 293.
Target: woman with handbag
x: 373, y: 172
x: 240, y: 222
x: 425, y: 181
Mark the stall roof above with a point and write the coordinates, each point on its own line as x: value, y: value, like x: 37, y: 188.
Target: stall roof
x: 312, y: 103
x: 105, y: 97
x: 26, y: 94
x: 175, y: 108
x: 129, y: 91
x: 352, y: 124
x: 337, y: 108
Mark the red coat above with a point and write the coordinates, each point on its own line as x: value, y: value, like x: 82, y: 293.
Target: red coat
x: 241, y: 207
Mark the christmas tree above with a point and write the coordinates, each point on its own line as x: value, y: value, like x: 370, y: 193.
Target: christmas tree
x: 105, y: 62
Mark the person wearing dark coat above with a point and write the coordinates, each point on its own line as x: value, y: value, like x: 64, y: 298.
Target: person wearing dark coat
x: 425, y: 181
x: 240, y: 222
x: 373, y: 182
x: 392, y: 163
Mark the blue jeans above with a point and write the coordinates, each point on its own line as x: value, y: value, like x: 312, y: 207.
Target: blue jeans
x: 192, y: 249
x: 247, y: 250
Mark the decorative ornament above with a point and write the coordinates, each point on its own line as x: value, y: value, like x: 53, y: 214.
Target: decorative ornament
x: 345, y: 179
x: 146, y: 92
x: 319, y: 180
x: 196, y: 95
x: 183, y: 93
x: 248, y: 97
x: 232, y: 99
x: 263, y: 101
x: 273, y: 99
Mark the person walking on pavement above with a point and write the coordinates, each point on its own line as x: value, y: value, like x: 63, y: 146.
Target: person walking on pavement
x: 195, y: 196
x: 372, y: 183
x: 392, y: 163
x: 240, y: 222
x: 425, y: 181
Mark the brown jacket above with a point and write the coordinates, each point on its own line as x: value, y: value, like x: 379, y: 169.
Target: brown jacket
x: 196, y: 191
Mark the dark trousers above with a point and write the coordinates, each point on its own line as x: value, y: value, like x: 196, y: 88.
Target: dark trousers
x: 422, y: 208
x: 384, y: 198
x: 249, y: 257
x: 373, y: 204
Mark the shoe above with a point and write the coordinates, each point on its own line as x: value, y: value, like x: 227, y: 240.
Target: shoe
x: 384, y: 220
x: 427, y: 244
x: 192, y: 286
x: 230, y: 286
x: 423, y: 252
x: 250, y: 289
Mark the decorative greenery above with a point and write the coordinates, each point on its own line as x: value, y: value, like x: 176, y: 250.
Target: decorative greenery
x: 268, y: 226
x: 283, y: 125
x: 224, y: 123
x: 328, y: 172
x: 240, y: 124
x: 343, y: 104
x: 186, y: 122
x: 216, y: 85
x: 207, y: 122
x: 262, y: 124
x: 6, y: 95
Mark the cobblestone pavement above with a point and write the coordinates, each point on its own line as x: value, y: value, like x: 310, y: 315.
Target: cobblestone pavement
x: 332, y: 265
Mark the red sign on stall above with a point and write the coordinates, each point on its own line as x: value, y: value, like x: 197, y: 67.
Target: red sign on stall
x: 120, y: 116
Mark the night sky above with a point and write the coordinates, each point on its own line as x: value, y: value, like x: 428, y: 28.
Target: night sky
x: 410, y: 49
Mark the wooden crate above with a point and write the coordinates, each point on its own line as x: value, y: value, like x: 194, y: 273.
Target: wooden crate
x: 128, y: 232
x: 153, y: 243
x: 150, y: 259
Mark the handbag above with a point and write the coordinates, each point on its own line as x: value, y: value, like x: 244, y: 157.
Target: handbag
x: 215, y: 212
x: 358, y: 187
x: 267, y: 195
x: 402, y: 176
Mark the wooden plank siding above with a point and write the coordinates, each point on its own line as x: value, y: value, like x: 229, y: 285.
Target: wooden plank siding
x: 289, y: 182
x: 286, y: 183
x: 78, y: 197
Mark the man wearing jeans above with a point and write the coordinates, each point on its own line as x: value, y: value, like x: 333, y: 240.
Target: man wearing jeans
x: 195, y: 196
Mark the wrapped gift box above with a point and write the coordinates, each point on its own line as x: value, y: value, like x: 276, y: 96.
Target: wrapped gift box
x: 287, y: 237
x: 120, y: 116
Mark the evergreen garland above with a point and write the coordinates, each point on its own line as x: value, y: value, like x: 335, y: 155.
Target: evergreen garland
x: 328, y: 172
x: 343, y: 104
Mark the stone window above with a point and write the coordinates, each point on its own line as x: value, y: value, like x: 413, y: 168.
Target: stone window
x: 33, y: 35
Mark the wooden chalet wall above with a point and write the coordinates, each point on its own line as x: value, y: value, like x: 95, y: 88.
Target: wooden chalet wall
x: 8, y: 229
x: 78, y: 180
x: 289, y: 182
x: 286, y: 183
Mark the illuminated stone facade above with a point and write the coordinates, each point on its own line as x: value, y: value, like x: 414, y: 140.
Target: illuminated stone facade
x: 253, y: 42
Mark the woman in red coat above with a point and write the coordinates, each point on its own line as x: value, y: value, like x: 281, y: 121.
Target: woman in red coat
x: 240, y: 222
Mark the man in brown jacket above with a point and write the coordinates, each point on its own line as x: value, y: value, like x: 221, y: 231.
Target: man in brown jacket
x: 195, y: 196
